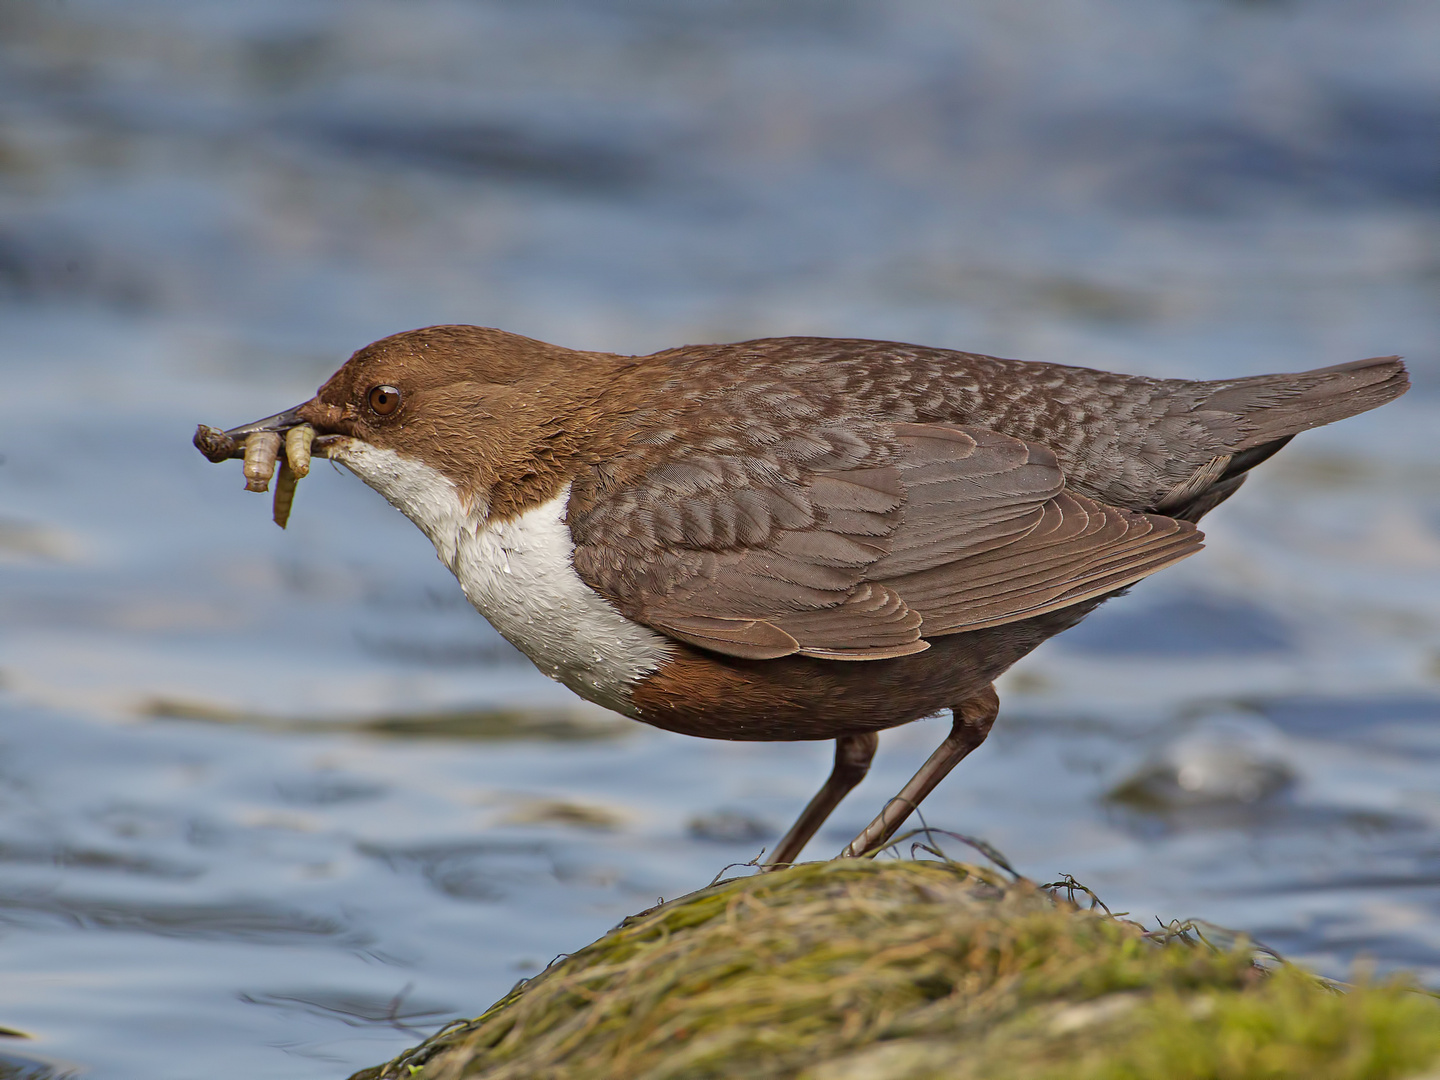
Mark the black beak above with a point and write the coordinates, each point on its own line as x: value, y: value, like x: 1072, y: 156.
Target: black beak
x: 218, y: 445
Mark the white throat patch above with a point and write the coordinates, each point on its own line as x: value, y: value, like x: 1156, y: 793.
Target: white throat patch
x: 521, y: 576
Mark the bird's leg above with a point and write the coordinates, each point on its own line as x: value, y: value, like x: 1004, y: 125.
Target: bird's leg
x: 852, y: 762
x: 973, y: 718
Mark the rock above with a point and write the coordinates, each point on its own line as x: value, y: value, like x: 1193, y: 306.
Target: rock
x: 904, y: 970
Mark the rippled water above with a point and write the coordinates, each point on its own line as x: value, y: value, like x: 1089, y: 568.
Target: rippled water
x: 278, y: 803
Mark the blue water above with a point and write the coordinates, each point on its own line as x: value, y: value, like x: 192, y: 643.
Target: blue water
x: 215, y: 860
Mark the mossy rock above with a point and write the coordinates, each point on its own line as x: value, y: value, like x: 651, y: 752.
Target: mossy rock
x: 910, y: 970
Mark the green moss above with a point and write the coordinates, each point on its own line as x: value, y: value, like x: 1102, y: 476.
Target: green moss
x: 855, y: 970
x: 1282, y: 1028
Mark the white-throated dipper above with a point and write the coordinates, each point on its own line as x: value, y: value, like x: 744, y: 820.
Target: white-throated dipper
x: 797, y: 538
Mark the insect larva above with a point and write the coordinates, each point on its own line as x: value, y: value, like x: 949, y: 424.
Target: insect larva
x: 215, y: 444
x: 297, y: 449
x: 261, y: 450
x: 284, y: 492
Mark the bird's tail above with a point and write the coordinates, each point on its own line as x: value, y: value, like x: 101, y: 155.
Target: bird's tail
x: 1264, y: 412
x: 1278, y: 406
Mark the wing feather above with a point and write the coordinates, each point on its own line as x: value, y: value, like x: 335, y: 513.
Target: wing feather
x: 857, y: 544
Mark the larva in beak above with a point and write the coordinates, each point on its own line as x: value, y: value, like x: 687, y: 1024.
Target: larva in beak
x: 261, y: 450
x: 284, y: 493
x: 293, y: 466
x: 297, y: 449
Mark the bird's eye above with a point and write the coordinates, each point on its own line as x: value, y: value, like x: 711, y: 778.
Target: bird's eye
x: 383, y: 400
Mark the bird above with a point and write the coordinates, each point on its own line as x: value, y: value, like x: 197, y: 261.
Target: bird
x: 797, y: 538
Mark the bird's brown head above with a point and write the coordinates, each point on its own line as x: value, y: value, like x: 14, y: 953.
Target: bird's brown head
x: 503, y: 418
x: 401, y: 389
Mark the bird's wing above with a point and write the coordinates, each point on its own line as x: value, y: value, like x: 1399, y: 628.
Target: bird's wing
x: 858, y: 544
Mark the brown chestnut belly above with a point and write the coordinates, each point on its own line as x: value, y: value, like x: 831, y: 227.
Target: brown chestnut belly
x: 799, y: 697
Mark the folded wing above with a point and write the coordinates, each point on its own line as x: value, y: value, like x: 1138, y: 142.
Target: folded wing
x: 861, y: 547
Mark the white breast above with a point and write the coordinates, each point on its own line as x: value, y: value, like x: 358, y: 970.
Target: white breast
x: 521, y: 576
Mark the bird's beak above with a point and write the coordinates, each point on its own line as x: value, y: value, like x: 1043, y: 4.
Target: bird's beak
x: 218, y: 445
x: 280, y: 423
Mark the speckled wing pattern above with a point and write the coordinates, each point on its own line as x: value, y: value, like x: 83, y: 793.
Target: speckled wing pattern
x: 854, y: 540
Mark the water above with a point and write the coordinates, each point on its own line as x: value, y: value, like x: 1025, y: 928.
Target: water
x: 279, y: 803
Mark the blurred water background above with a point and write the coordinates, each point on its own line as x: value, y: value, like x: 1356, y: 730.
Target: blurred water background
x: 277, y: 803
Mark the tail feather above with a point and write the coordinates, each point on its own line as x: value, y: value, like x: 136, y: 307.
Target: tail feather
x: 1250, y: 419
x: 1275, y: 407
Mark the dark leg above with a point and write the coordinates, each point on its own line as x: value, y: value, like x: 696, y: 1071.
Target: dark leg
x: 852, y: 762
x: 973, y: 718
